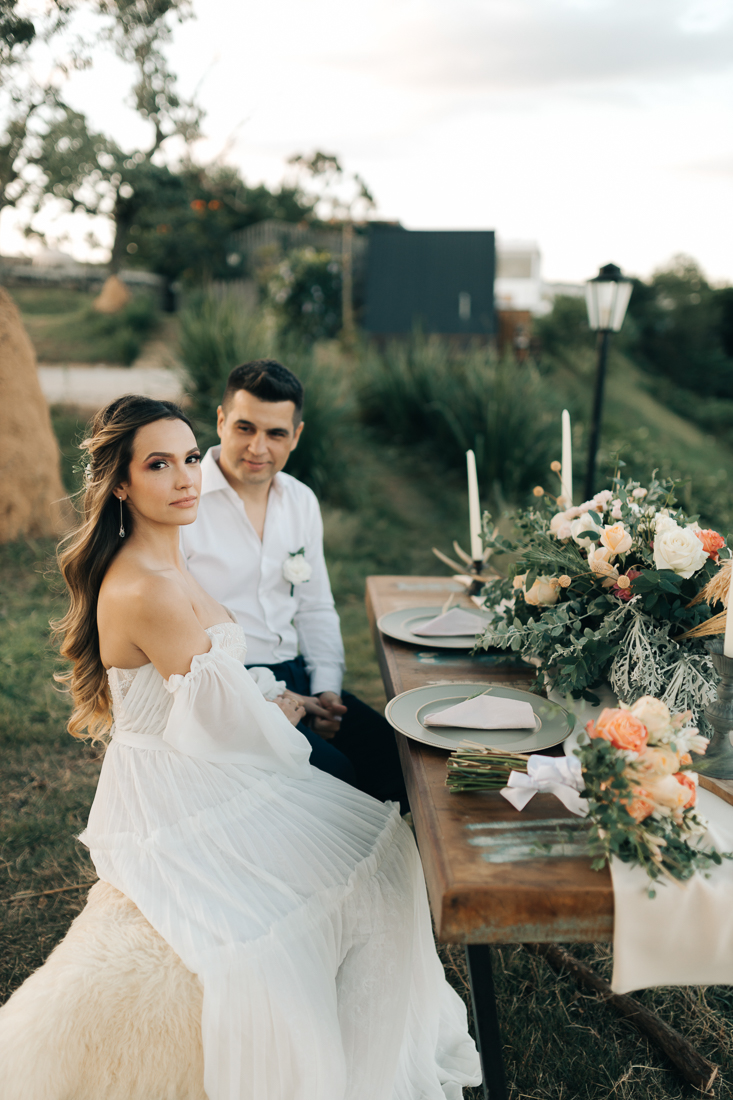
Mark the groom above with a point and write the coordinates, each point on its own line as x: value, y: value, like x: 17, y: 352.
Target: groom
x: 257, y: 547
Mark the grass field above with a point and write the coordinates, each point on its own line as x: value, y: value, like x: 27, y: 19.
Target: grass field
x: 64, y: 328
x: 560, y: 1044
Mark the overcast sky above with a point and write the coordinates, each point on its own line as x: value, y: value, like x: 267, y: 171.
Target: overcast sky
x: 599, y: 128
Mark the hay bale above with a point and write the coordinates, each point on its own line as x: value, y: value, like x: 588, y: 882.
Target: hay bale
x: 113, y: 296
x: 33, y: 500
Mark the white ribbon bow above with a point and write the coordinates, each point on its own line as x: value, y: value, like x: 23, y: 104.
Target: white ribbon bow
x: 558, y: 775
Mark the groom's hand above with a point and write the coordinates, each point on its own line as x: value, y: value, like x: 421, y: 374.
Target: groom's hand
x: 329, y: 724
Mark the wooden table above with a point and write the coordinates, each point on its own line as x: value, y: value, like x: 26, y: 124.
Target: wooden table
x: 485, y: 880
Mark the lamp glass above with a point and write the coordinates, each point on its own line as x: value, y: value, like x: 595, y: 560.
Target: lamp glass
x: 606, y: 301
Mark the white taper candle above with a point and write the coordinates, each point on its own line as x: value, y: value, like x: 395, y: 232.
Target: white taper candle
x: 474, y: 509
x: 566, y: 474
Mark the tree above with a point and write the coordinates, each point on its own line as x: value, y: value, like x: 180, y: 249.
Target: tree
x: 25, y: 99
x: 49, y: 150
x: 345, y: 198
x: 179, y: 224
x: 679, y: 329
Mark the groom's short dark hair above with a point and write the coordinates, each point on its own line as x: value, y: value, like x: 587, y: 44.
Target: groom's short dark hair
x: 267, y: 380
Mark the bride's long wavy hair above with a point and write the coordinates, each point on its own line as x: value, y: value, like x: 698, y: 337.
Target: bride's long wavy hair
x: 85, y: 555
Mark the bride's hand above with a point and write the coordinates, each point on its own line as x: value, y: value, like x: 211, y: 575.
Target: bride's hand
x: 291, y: 707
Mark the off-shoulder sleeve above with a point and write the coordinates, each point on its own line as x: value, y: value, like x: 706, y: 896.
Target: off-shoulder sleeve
x: 266, y: 682
x: 220, y: 714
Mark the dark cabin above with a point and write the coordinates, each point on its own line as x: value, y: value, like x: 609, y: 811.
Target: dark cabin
x: 440, y: 281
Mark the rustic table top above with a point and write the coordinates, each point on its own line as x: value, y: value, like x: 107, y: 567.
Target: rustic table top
x: 494, y: 875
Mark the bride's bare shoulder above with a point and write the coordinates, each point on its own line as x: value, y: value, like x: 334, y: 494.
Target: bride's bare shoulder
x: 140, y: 596
x: 148, y: 617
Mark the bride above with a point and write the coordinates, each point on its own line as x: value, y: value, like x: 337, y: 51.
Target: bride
x: 297, y: 900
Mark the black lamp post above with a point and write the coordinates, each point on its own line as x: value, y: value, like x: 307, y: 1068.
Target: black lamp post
x: 606, y: 298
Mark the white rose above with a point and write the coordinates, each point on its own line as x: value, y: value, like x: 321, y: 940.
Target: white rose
x: 654, y: 714
x: 616, y: 509
x: 639, y: 493
x: 663, y: 522
x: 584, y: 523
x: 600, y: 500
x: 560, y: 526
x: 678, y: 549
x: 544, y: 592
x: 297, y: 570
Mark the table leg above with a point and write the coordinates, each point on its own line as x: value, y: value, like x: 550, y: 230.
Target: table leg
x: 488, y: 1036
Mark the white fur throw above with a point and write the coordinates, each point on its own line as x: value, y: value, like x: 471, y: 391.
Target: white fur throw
x: 113, y: 1014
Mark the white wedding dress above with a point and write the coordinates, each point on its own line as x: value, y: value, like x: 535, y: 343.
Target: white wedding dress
x: 298, y: 901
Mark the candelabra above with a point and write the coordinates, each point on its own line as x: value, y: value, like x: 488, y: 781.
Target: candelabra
x: 717, y: 762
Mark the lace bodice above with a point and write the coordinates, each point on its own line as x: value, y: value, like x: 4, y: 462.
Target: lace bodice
x: 154, y: 700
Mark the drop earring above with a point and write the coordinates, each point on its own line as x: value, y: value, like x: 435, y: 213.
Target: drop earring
x: 122, y: 521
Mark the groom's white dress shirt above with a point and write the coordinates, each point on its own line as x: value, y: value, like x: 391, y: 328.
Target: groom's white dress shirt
x: 224, y: 553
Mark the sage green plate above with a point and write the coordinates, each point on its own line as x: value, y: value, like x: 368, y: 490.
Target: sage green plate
x: 406, y: 713
x: 400, y: 625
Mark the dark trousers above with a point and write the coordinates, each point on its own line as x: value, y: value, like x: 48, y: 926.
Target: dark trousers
x: 362, y: 753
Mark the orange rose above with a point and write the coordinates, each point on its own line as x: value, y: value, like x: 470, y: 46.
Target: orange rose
x: 641, y: 805
x: 686, y: 780
x: 621, y: 729
x: 685, y: 759
x: 711, y: 542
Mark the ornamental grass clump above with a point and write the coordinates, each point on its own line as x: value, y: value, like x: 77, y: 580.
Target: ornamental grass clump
x: 619, y: 590
x: 423, y: 391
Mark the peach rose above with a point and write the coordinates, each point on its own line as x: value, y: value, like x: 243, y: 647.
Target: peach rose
x: 667, y: 793
x: 621, y: 729
x: 656, y: 762
x: 641, y: 805
x: 616, y: 538
x: 711, y: 542
x: 687, y: 781
x: 599, y: 563
x: 543, y: 593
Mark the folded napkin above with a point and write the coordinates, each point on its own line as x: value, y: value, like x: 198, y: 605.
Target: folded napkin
x: 684, y: 935
x: 453, y: 622
x: 558, y: 775
x: 485, y: 712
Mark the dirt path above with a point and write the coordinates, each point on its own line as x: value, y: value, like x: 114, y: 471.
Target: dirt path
x: 93, y: 385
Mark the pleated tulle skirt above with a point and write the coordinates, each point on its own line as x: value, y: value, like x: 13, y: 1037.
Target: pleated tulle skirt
x: 300, y: 903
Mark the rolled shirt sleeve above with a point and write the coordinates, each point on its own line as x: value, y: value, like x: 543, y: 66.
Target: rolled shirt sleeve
x: 316, y: 619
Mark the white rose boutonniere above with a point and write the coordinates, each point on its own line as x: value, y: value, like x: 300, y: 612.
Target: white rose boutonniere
x: 296, y: 569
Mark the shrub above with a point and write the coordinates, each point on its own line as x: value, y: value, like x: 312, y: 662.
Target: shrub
x: 217, y: 335
x: 304, y: 289
x: 420, y: 391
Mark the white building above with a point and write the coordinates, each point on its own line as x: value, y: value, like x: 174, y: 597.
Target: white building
x: 519, y: 286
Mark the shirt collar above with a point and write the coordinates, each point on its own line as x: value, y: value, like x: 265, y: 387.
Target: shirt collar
x: 213, y: 480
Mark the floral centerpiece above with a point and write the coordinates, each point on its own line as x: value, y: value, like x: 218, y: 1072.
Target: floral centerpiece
x: 618, y: 589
